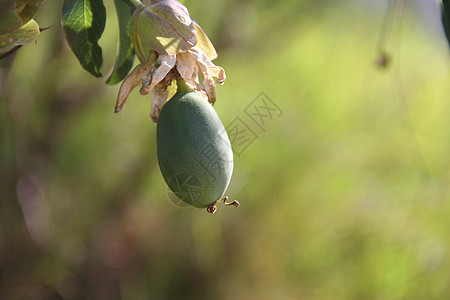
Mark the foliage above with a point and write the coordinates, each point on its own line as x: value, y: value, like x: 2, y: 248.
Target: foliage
x: 125, y: 56
x: 83, y: 23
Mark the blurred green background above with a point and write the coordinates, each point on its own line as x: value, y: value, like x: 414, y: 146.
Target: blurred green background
x: 344, y: 196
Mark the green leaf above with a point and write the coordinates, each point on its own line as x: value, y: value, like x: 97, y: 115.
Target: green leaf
x: 83, y: 24
x: 125, y: 57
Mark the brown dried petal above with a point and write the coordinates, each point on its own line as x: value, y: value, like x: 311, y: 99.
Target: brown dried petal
x: 203, y: 59
x: 208, y: 69
x: 188, y: 70
x: 186, y: 66
x: 208, y: 83
x: 163, y: 65
x: 132, y: 80
x: 159, y: 95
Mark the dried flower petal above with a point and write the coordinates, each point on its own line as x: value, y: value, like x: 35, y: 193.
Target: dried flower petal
x: 132, y: 80
x: 163, y: 65
x: 186, y: 65
x: 208, y: 83
x: 208, y: 70
x: 165, y: 28
x: 188, y: 70
x: 159, y: 95
x: 203, y: 59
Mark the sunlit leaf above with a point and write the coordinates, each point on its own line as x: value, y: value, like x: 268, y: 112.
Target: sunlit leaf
x: 164, y: 26
x: 26, y: 34
x: 124, y: 60
x: 83, y: 23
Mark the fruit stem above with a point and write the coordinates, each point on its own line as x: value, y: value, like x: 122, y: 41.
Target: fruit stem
x: 212, y: 207
x: 181, y: 85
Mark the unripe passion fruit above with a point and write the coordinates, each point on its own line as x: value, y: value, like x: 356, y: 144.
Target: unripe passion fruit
x: 194, y: 152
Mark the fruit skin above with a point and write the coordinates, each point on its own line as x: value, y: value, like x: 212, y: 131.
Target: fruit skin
x: 194, y: 152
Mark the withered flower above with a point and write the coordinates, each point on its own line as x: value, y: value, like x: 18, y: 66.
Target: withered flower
x: 169, y: 43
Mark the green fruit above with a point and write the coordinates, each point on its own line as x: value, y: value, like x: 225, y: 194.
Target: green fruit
x: 194, y: 152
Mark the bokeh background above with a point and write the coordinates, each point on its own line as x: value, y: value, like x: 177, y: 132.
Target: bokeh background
x: 344, y: 195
